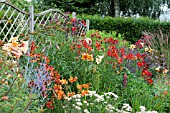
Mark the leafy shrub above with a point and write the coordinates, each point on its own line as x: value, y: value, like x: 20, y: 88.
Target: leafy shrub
x: 130, y: 27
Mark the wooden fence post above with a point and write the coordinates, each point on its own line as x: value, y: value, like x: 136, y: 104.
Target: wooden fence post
x: 87, y: 24
x: 74, y: 15
x: 31, y: 11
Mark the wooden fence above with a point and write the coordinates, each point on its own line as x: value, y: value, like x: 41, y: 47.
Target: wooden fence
x: 14, y: 22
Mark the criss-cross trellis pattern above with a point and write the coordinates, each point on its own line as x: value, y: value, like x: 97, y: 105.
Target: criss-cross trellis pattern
x: 15, y: 22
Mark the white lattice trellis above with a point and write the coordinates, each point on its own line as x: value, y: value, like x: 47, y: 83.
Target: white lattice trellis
x: 15, y: 22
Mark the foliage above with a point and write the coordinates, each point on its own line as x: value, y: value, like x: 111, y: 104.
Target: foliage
x: 96, y: 72
x: 149, y: 8
x: 12, y: 88
x: 131, y: 28
x: 160, y: 42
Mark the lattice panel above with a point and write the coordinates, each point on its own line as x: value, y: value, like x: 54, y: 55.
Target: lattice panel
x: 82, y: 28
x: 57, y: 20
x: 50, y: 19
x: 13, y: 22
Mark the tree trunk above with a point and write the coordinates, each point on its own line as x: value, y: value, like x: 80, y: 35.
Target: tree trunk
x: 114, y: 8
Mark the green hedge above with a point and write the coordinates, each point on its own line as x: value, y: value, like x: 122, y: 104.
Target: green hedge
x: 130, y: 27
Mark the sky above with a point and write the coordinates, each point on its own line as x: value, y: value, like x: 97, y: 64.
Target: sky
x: 166, y: 15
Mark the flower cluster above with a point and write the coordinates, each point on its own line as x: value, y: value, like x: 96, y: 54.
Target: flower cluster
x: 86, y: 56
x: 15, y: 47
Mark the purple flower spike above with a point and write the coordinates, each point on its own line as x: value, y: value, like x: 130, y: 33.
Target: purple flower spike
x: 125, y: 80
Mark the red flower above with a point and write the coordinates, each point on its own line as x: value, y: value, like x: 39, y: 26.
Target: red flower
x: 138, y: 55
x: 130, y: 56
x: 78, y: 46
x: 98, y: 46
x: 150, y: 81
x: 165, y: 92
x: 120, y: 60
x: 49, y: 105
x: 141, y: 64
x: 146, y: 72
x: 83, y: 22
x: 109, y: 53
x: 73, y: 29
x: 111, y: 40
x: 138, y: 43
x: 98, y: 36
x: 85, y: 44
x: 122, y: 50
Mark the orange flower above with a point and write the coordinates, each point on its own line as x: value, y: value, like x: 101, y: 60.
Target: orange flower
x: 33, y: 60
x: 73, y: 79
x: 89, y: 57
x: 14, y: 44
x: 86, y: 85
x: 50, y: 68
x: 47, y: 60
x: 165, y: 71
x: 79, y: 87
x: 84, y: 92
x: 60, y: 94
x: 71, y: 48
x: 57, y: 87
x: 121, y: 68
x: 63, y: 81
x: 114, y: 67
x: 70, y: 94
x: 84, y: 56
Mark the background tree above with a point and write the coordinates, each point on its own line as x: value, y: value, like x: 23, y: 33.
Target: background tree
x: 114, y: 8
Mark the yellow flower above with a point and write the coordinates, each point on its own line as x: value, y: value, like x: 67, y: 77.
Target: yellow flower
x: 157, y: 69
x: 13, y: 39
x: 63, y: 81
x: 132, y: 46
x: 146, y: 49
x: 79, y: 87
x: 14, y: 44
x: 151, y: 50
